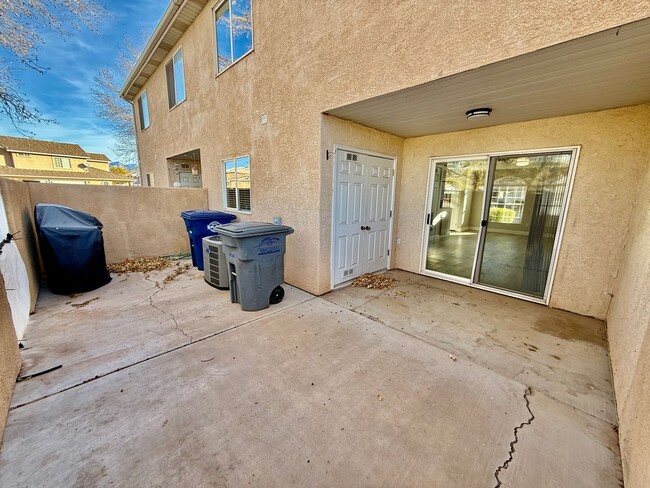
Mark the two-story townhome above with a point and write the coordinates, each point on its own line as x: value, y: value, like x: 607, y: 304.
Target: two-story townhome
x: 40, y: 161
x: 497, y: 144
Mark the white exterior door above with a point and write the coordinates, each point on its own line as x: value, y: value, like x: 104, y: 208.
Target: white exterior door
x: 363, y: 200
x: 189, y: 180
x: 378, y: 212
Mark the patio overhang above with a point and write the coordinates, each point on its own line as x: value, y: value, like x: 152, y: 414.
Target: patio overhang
x: 605, y: 70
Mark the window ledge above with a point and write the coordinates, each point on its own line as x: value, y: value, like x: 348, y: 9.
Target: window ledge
x: 234, y: 210
x: 217, y: 75
x: 179, y: 103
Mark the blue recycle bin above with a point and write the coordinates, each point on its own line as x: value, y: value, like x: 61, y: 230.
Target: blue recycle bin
x: 200, y: 224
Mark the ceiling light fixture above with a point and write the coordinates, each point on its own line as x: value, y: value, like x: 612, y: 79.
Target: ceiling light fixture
x: 522, y: 162
x: 478, y: 113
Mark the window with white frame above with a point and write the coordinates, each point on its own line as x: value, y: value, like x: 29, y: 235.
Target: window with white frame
x: 237, y: 183
x: 175, y: 79
x: 143, y: 110
x: 61, y: 162
x: 508, y: 199
x: 234, y: 32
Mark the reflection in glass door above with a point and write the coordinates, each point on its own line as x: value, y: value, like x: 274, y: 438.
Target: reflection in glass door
x: 453, y: 220
x: 522, y: 220
x: 494, y: 221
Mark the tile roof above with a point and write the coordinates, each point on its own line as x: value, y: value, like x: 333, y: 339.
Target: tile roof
x: 24, y: 145
x: 91, y: 174
x: 98, y: 157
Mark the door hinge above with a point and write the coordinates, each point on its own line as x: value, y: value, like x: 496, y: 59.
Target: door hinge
x: 483, y: 223
x: 388, y: 253
x: 393, y: 172
x: 391, y: 213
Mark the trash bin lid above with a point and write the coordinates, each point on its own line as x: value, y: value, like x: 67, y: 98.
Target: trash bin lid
x: 252, y: 229
x: 207, y: 215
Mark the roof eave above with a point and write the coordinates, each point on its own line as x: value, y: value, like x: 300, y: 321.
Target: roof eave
x: 27, y: 151
x: 150, y: 47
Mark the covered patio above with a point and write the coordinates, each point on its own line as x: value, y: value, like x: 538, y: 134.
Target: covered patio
x: 427, y: 383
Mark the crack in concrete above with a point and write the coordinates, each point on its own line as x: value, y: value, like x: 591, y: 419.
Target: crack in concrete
x: 511, y: 452
x: 173, y: 317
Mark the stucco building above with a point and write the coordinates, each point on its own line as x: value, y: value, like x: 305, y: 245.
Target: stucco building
x: 500, y: 145
x: 55, y: 162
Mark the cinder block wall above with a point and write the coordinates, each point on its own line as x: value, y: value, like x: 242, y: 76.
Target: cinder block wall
x: 9, y: 357
x: 628, y: 326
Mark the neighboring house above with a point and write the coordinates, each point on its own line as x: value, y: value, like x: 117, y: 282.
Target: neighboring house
x: 55, y: 162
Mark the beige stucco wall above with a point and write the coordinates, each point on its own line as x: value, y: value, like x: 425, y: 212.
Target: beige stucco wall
x: 628, y: 327
x: 9, y: 357
x: 137, y: 221
x: 20, y: 212
x: 614, y: 147
x: 310, y: 58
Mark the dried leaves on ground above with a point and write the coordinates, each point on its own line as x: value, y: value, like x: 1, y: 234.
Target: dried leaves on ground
x: 374, y: 281
x: 180, y: 269
x: 140, y: 265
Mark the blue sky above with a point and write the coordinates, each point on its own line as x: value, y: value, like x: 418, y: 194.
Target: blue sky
x: 63, y: 93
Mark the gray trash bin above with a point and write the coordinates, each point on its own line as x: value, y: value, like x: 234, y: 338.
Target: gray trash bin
x: 255, y: 252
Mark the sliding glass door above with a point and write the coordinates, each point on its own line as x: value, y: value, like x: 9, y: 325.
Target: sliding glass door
x: 493, y: 221
x: 454, y: 216
x: 525, y: 203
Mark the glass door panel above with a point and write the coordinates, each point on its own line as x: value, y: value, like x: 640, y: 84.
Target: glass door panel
x: 454, y: 217
x: 524, y: 208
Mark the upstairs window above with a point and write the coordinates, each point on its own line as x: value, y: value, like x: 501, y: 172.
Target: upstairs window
x: 234, y: 28
x: 175, y: 79
x: 143, y: 110
x: 237, y: 178
x: 61, y: 162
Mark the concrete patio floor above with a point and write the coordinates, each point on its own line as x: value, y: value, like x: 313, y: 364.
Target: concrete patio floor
x: 427, y: 384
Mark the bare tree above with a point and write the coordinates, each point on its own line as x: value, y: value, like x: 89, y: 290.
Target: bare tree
x: 108, y: 105
x: 21, y: 24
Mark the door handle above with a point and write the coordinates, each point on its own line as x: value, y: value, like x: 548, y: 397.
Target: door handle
x: 366, y: 227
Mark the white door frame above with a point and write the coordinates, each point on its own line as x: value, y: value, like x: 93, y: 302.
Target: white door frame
x: 337, y: 148
x: 573, y: 163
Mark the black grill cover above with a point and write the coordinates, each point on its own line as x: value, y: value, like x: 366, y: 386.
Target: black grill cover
x: 72, y: 248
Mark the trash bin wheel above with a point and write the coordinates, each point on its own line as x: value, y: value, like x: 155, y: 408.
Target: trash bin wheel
x: 276, y: 295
